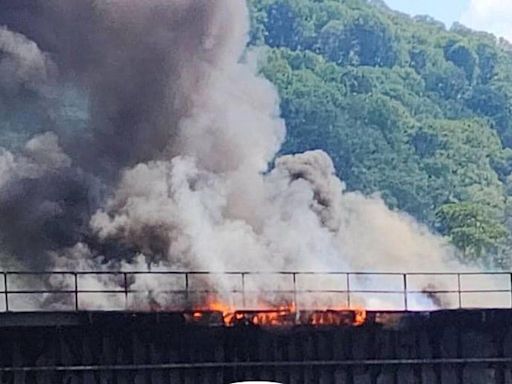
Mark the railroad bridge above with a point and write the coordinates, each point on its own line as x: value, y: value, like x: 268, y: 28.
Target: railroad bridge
x: 70, y: 341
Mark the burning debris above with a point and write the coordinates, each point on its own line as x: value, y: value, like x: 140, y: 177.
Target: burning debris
x: 150, y: 138
x: 285, y: 317
x: 279, y: 317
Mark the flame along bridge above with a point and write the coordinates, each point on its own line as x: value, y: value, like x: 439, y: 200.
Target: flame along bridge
x: 72, y: 344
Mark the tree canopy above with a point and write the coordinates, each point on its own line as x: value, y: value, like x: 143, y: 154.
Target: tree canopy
x: 405, y: 107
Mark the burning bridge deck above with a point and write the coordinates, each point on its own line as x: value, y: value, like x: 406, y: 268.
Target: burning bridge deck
x: 461, y: 346
x: 269, y: 319
x: 278, y: 317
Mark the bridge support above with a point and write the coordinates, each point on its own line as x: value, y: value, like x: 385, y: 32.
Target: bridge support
x: 467, y: 346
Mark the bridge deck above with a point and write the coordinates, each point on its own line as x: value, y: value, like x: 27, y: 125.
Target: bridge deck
x: 391, y: 347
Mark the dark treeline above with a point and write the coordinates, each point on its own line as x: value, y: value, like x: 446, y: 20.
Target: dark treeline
x: 407, y: 108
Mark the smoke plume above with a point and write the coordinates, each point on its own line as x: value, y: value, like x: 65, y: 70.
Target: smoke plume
x: 150, y: 136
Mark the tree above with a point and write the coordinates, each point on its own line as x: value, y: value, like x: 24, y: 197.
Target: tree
x: 471, y: 229
x: 487, y: 60
x: 463, y: 57
x: 405, y: 107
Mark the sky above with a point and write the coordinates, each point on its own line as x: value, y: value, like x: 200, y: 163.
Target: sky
x: 493, y: 16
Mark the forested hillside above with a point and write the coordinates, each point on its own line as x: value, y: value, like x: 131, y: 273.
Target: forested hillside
x: 405, y: 107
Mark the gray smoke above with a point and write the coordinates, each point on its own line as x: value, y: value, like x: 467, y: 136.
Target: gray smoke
x: 136, y: 64
x: 154, y: 139
x: 130, y: 58
x: 22, y: 63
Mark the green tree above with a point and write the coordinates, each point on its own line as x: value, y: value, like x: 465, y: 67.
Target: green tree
x: 405, y: 107
x: 471, y: 228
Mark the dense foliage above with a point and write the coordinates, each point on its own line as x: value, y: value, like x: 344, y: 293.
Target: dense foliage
x: 405, y: 107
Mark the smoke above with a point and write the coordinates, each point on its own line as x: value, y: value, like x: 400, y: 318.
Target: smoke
x: 22, y: 63
x: 137, y: 65
x: 162, y: 160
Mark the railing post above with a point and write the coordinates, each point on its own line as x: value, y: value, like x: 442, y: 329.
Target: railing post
x: 75, y: 276
x: 295, y: 303
x: 511, y: 290
x: 243, y: 291
x: 6, y: 293
x: 348, y: 291
x: 459, y: 290
x: 406, y: 301
x: 125, y: 284
x: 186, y: 289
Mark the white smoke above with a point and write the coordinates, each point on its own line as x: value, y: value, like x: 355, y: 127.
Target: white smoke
x: 211, y: 202
x: 22, y: 62
x: 40, y: 155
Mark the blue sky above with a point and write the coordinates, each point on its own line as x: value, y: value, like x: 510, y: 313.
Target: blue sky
x: 493, y: 16
x: 447, y: 11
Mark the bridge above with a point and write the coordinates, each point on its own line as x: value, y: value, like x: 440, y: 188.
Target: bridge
x: 65, y: 327
x: 119, y: 290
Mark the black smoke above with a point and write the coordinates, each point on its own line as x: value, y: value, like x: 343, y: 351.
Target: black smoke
x: 127, y: 60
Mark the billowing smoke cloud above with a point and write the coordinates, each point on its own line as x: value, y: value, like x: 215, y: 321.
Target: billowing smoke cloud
x: 138, y: 65
x: 22, y: 64
x: 168, y: 166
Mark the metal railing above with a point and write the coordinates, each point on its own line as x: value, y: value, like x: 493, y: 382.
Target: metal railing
x: 124, y: 290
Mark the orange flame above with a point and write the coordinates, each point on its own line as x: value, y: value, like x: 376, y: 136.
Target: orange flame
x: 360, y: 317
x: 227, y: 311
x: 283, y: 315
x: 280, y: 316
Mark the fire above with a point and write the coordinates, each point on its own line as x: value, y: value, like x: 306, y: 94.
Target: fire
x: 280, y: 316
x: 228, y: 312
x: 283, y: 315
x: 355, y: 317
x: 220, y: 307
x: 360, y: 317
